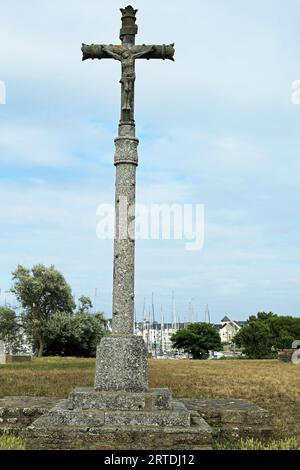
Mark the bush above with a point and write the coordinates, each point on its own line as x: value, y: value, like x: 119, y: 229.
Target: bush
x: 197, y: 339
x: 266, y: 333
x: 10, y: 330
x: 74, y: 335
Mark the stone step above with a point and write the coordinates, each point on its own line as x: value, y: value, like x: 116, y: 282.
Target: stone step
x: 21, y: 411
x: 89, y: 398
x: 234, y: 433
x: 46, y: 434
x: 179, y: 416
x: 229, y: 411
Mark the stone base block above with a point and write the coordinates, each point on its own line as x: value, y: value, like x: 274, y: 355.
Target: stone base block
x: 285, y: 355
x: 234, y: 433
x: 177, y: 416
x: 46, y: 434
x: 121, y: 364
x: 89, y: 398
x: 233, y: 419
x: 148, y: 428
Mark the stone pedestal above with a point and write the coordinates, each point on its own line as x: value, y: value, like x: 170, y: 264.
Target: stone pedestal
x: 79, y: 422
x: 121, y: 364
x: 121, y: 412
x: 119, y: 420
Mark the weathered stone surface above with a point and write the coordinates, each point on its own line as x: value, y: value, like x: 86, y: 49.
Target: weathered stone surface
x: 61, y: 416
x: 231, y: 411
x: 159, y: 398
x: 89, y: 425
x: 18, y: 412
x: 121, y: 364
x: 179, y: 416
x: 234, y: 433
x: 285, y: 355
x: 126, y: 160
x: 89, y: 398
x: 232, y: 418
x: 41, y: 437
x: 148, y: 428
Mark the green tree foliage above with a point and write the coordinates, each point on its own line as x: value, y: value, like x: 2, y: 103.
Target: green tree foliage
x: 255, y: 340
x: 85, y: 304
x: 266, y: 333
x: 261, y: 316
x: 197, y: 339
x: 10, y: 329
x: 42, y: 292
x: 74, y: 335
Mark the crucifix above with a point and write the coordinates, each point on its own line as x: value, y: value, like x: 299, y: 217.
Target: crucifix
x: 121, y: 411
x: 127, y: 53
x: 121, y: 358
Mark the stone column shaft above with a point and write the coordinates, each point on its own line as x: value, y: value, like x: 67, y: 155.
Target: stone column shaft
x: 126, y: 161
x: 121, y: 358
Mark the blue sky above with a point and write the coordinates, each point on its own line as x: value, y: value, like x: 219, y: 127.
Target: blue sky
x: 216, y: 127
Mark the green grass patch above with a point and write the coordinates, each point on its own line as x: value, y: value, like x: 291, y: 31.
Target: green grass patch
x: 10, y: 442
x: 254, y: 444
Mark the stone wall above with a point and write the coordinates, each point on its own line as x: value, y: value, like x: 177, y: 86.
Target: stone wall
x: 285, y: 355
x: 16, y: 413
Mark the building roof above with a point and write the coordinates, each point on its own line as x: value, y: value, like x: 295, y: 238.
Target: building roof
x: 225, y: 319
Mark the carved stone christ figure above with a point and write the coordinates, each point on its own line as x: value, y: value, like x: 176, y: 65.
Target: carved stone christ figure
x: 127, y: 57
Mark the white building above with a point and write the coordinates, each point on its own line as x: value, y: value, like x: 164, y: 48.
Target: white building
x: 157, y: 336
x: 228, y: 329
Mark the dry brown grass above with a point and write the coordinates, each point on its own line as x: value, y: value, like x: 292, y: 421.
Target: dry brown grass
x: 49, y: 377
x: 271, y: 384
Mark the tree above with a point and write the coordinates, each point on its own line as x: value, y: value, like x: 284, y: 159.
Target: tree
x: 197, y: 339
x: 10, y: 329
x: 262, y: 316
x: 266, y: 333
x: 74, y: 335
x: 255, y: 340
x: 284, y: 330
x: 42, y: 292
x: 85, y: 304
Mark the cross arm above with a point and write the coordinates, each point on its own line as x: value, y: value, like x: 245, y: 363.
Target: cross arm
x: 102, y: 51
x: 165, y: 51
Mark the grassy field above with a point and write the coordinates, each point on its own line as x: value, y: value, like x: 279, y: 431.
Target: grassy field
x: 271, y: 384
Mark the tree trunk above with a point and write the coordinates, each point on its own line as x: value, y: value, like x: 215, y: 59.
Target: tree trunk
x: 41, y: 347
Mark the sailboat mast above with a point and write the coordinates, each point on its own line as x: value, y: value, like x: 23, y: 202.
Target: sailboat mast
x: 154, y: 327
x: 162, y: 326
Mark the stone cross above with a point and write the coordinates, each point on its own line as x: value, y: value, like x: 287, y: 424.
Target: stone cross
x: 126, y: 161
